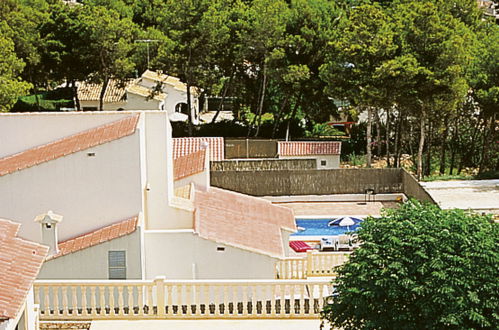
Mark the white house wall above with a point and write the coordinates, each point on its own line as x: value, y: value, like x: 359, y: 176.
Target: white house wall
x: 106, y: 106
x: 184, y: 255
x: 332, y: 161
x: 137, y: 102
x: 92, y: 263
x: 90, y: 192
x: 19, y: 132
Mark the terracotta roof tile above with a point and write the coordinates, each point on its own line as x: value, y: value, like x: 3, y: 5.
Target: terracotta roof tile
x: 188, y: 145
x: 115, y: 91
x: 308, y: 148
x: 242, y: 221
x: 189, y: 165
x: 20, y: 262
x: 68, y: 145
x: 95, y: 237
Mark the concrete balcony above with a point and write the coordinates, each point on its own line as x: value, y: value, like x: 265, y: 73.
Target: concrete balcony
x: 313, y: 264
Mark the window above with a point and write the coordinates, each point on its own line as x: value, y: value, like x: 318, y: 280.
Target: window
x: 117, y: 265
x: 220, y: 249
x: 323, y: 162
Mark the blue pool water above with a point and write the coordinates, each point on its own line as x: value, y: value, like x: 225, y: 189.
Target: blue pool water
x: 319, y: 227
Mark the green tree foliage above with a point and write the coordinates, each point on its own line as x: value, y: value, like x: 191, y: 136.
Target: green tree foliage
x: 420, y: 267
x: 11, y: 86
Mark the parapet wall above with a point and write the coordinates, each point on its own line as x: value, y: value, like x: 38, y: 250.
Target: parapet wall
x: 284, y: 182
x: 263, y: 165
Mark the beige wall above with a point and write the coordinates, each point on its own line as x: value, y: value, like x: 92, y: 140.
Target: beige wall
x: 184, y: 255
x: 107, y: 106
x: 137, y: 102
x: 92, y: 263
x: 90, y: 192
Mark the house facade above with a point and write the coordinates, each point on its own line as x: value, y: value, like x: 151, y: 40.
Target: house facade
x: 128, y: 209
x: 326, y: 154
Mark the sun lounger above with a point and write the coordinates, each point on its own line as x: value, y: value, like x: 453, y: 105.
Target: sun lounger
x: 300, y: 246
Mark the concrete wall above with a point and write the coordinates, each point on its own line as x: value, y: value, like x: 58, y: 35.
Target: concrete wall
x: 413, y: 189
x: 309, y: 182
x: 263, y: 164
x: 19, y: 132
x: 250, y: 148
x: 92, y: 263
x: 90, y: 192
x: 332, y: 161
x: 184, y: 255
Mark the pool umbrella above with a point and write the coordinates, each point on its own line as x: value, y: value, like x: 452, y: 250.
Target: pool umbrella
x: 345, y: 222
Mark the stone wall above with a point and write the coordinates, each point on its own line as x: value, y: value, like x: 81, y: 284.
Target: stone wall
x: 413, y: 189
x: 263, y: 165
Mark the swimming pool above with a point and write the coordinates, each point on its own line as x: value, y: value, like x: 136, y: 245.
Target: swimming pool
x: 319, y: 227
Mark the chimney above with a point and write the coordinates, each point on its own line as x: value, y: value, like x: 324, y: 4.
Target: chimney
x: 48, y: 222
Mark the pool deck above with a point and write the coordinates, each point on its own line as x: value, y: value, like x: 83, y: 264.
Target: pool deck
x: 310, y: 210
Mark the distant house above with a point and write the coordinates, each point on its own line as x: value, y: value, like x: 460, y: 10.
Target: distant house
x: 327, y: 154
x: 20, y: 261
x: 152, y: 91
x: 129, y: 209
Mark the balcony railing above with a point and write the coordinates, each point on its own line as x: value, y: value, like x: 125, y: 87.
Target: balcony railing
x: 313, y: 264
x: 189, y: 299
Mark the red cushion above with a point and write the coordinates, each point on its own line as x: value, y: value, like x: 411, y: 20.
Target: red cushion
x: 300, y: 246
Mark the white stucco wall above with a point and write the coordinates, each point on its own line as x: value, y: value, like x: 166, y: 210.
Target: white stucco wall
x: 137, y: 102
x: 92, y: 263
x: 332, y: 161
x: 19, y: 132
x: 90, y: 192
x: 184, y: 255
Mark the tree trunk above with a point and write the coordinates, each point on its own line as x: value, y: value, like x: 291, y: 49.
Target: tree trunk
x: 369, y: 137
x: 103, y: 93
x: 293, y: 113
x: 224, y: 93
x: 378, y: 132
x: 387, y: 137
x: 189, y: 107
x: 487, y: 137
x: 75, y: 95
x: 443, y: 147
x: 429, y: 141
x: 397, y: 147
x: 262, y: 98
x: 277, y: 119
x: 421, y: 144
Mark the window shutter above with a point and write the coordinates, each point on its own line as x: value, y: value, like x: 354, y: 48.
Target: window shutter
x: 117, y: 265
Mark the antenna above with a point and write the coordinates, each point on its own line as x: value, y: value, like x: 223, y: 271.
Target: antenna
x: 147, y: 42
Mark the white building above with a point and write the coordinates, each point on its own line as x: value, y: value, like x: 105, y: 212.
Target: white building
x: 327, y: 154
x: 152, y: 91
x: 110, y: 175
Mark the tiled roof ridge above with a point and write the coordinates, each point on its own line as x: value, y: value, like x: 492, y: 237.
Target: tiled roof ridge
x: 20, y: 261
x: 95, y: 237
x: 303, y: 148
x: 185, y: 145
x: 68, y: 145
x: 188, y: 165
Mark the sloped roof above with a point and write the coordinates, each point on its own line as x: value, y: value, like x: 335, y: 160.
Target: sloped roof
x: 308, y: 148
x: 242, y: 221
x: 188, y: 165
x: 187, y: 145
x: 145, y: 92
x: 95, y: 237
x: 170, y: 80
x: 20, y: 262
x: 115, y: 91
x: 68, y: 145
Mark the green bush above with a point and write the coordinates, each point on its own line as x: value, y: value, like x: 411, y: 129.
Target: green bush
x: 420, y: 267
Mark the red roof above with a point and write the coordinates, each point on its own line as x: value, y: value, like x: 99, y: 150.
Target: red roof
x: 242, y: 221
x: 188, y: 165
x: 95, y: 237
x: 68, y: 145
x: 188, y: 145
x: 308, y: 148
x: 20, y: 262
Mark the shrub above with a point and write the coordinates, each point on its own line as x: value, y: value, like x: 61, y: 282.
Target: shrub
x: 420, y: 268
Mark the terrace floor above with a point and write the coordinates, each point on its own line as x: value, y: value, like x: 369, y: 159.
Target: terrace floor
x: 208, y: 325
x: 332, y: 209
